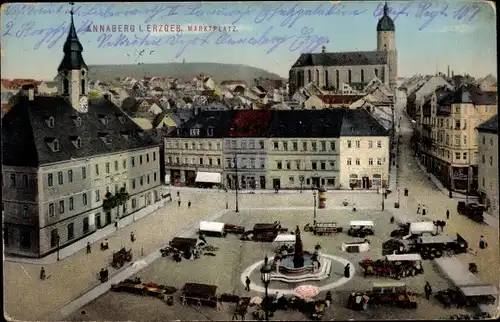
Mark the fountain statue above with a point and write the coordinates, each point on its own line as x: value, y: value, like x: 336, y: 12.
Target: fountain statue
x: 298, y: 256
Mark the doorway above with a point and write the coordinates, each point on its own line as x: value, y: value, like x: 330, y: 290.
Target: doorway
x: 108, y: 218
x: 98, y: 221
x: 366, y: 183
x: 315, y: 182
x: 262, y: 182
x: 276, y: 183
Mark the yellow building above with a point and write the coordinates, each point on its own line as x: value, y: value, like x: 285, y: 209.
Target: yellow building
x: 488, y: 164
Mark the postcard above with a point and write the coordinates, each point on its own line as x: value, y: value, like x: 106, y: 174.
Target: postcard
x: 250, y: 160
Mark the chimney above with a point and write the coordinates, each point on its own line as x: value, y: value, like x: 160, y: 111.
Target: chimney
x: 31, y: 94
x: 323, y: 49
x: 448, y: 71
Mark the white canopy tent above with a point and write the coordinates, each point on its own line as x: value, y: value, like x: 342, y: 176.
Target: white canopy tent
x: 212, y: 226
x: 418, y: 228
x: 404, y: 257
x: 208, y: 177
x: 478, y: 290
x: 441, y: 239
x: 285, y: 238
x: 364, y: 223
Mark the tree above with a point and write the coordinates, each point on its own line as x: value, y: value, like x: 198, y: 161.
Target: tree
x: 94, y: 94
x: 109, y: 202
x: 122, y: 197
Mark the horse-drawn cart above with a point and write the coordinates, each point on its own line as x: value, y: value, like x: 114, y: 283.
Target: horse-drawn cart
x: 395, y: 266
x: 145, y: 289
x: 121, y: 257
x: 199, y: 294
x: 234, y: 229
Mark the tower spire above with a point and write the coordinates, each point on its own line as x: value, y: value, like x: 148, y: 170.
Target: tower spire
x: 386, y: 9
x: 72, y: 48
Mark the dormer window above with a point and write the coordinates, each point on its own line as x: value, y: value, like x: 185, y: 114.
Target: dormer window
x: 50, y: 122
x: 210, y: 131
x: 120, y: 118
x: 53, y: 144
x: 105, y: 137
x: 104, y: 119
x: 77, y: 120
x: 77, y: 141
x: 125, y: 134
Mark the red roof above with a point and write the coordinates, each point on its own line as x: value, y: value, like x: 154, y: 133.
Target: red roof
x: 249, y: 123
x: 17, y: 83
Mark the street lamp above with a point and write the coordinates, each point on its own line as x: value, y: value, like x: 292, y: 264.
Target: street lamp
x: 58, y: 238
x: 265, y: 275
x: 237, y: 180
x: 383, y: 194
x: 314, y: 198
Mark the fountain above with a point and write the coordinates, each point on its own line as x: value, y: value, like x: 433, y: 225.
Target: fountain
x: 300, y: 265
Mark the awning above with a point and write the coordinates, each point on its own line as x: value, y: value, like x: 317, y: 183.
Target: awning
x: 209, y: 177
x: 285, y: 238
x: 441, y: 239
x: 404, y: 257
x: 422, y: 227
x: 364, y: 223
x: 478, y: 290
x: 212, y: 226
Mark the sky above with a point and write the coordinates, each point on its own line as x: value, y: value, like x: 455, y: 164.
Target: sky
x: 430, y: 35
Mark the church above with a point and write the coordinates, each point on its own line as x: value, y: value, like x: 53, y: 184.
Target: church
x: 65, y: 157
x: 329, y: 71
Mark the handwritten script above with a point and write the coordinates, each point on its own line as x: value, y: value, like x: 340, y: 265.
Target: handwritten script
x: 277, y: 20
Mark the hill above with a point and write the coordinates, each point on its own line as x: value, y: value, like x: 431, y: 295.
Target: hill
x: 216, y: 71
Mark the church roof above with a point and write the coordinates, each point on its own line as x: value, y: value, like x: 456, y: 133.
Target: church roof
x: 386, y: 23
x: 72, y: 49
x: 29, y: 147
x: 355, y: 58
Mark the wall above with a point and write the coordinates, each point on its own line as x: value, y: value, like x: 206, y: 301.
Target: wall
x: 245, y: 149
x: 488, y: 172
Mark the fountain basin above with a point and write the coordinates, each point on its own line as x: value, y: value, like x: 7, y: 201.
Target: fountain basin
x: 287, y: 266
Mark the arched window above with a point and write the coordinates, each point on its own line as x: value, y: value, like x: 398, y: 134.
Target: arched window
x: 362, y: 76
x: 309, y: 76
x: 83, y: 86
x: 376, y: 72
x: 65, y: 86
x: 317, y: 77
x: 337, y: 79
x: 349, y: 76
x: 326, y: 78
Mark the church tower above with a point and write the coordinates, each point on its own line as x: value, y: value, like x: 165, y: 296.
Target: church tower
x: 73, y: 71
x: 386, y: 42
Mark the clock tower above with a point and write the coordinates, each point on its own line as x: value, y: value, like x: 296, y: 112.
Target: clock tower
x: 73, y: 71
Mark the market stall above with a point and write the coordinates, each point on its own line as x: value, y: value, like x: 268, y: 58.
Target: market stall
x: 285, y: 238
x: 185, y: 245
x: 356, y: 246
x: 360, y: 228
x: 199, y: 294
x: 265, y: 232
x: 212, y: 228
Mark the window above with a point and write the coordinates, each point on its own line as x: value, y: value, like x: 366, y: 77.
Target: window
x: 379, y: 161
x: 13, y: 180
x: 457, y: 155
x: 84, y: 199
x: 124, y: 164
x: 326, y: 78
x: 358, y: 161
x: 154, y: 175
x: 314, y: 165
x: 25, y: 181
x: 71, y: 206
x: 275, y: 146
x: 370, y: 144
x: 349, y: 161
x: 483, y: 182
x: 51, y: 210
x: 304, y: 146
x: 491, y: 160
x: 291, y: 179
x: 349, y: 144
x: 134, y: 203
x: 60, y: 177
x: 133, y: 183
x: 186, y: 146
x: 97, y: 169
x: 358, y: 144
x: 147, y: 179
x: 323, y: 165
x: 85, y: 225
x: 140, y: 159
x: 243, y: 144
x: 465, y: 156
x: 261, y: 144
x: 491, y: 141
x: 70, y: 175
x: 457, y: 139
x: 133, y: 161
x: 210, y: 161
x: 193, y: 146
x: 376, y: 72
x: 154, y: 153
x: 295, y: 146
x: 262, y: 163
x: 362, y: 76
x: 24, y: 212
x: 289, y: 165
x: 484, y: 140
x: 297, y: 164
x: 465, y: 139
x: 379, y: 144
x: 116, y: 165
x: 349, y: 76
x: 218, y: 161
x: 370, y: 161
x: 71, y: 231
x: 83, y: 86
x: 285, y: 146
x: 54, y: 236
x: 141, y: 181
x: 201, y: 160
x: 323, y: 146
x: 313, y: 146
x: 457, y: 124
x: 107, y: 167
x: 97, y: 195
x: 84, y: 172
x: 278, y: 165
x: 147, y: 158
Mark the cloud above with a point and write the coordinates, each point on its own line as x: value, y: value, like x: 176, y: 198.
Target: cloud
x: 461, y: 29
x: 190, y: 29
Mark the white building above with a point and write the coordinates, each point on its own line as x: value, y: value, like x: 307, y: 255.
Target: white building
x: 488, y: 165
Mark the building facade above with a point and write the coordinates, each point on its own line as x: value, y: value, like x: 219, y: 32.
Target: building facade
x: 488, y: 165
x: 447, y: 136
x: 71, y: 152
x: 331, y: 70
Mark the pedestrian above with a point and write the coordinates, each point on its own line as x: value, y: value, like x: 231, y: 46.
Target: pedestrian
x: 132, y: 237
x: 178, y: 194
x: 88, y: 248
x: 447, y: 213
x: 428, y: 290
x: 247, y: 283
x: 424, y: 210
x: 42, y: 273
x: 406, y: 192
x: 179, y: 202
x: 347, y: 271
x: 418, y: 209
x: 189, y: 204
x: 202, y: 238
x: 482, y: 242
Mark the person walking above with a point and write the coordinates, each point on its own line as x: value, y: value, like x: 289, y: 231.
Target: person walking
x: 42, y: 274
x: 202, y: 237
x: 132, y: 236
x: 179, y: 202
x: 88, y: 248
x: 189, y: 204
x: 418, y: 209
x: 247, y: 283
x: 424, y: 210
x: 428, y: 290
x: 347, y: 271
x: 447, y: 213
x: 482, y: 242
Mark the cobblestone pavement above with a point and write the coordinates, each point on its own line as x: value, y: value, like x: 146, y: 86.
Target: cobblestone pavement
x: 234, y: 256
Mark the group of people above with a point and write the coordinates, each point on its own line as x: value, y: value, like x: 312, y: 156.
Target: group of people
x: 421, y: 209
